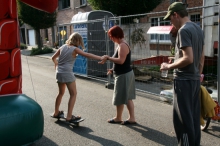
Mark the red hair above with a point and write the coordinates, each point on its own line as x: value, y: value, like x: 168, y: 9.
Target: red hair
x: 116, y: 32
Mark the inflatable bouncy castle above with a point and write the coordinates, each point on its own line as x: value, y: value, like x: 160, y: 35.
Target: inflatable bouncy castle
x: 21, y: 118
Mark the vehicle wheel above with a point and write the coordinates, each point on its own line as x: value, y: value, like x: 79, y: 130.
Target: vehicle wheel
x: 206, y: 125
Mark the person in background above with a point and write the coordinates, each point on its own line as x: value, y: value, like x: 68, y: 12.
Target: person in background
x: 124, y: 80
x: 64, y: 74
x: 188, y: 65
x: 173, y: 34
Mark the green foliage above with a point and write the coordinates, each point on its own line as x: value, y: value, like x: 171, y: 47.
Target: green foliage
x: 23, y: 46
x: 125, y: 7
x: 155, y: 68
x: 20, y: 22
x: 34, y: 17
x: 172, y: 51
x: 137, y: 36
x: 37, y: 51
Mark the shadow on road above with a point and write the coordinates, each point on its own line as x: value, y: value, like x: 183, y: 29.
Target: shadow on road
x: 213, y: 130
x: 154, y: 135
x: 85, y: 132
x: 44, y: 141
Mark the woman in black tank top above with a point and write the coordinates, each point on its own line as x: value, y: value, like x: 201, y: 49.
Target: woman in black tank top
x: 124, y: 83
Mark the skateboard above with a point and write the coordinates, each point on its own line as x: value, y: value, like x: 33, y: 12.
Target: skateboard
x: 74, y: 123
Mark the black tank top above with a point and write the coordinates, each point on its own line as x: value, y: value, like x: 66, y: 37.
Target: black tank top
x: 119, y: 69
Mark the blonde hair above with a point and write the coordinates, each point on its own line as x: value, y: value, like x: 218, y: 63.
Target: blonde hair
x: 75, y: 39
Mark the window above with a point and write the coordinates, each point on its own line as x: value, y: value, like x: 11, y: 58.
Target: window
x: 82, y: 2
x: 172, y: 1
x: 159, y: 22
x: 46, y: 34
x: 62, y: 39
x: 195, y: 18
x: 62, y: 4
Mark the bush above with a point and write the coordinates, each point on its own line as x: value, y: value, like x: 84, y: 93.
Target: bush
x: 155, y: 68
x: 23, y: 46
x: 37, y: 51
x: 47, y: 50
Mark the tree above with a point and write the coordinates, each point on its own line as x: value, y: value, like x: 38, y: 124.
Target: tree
x: 125, y: 7
x: 36, y: 19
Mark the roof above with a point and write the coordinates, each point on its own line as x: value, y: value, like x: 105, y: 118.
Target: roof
x: 83, y: 17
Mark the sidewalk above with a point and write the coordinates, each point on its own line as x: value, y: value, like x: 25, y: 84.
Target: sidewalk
x: 27, y: 52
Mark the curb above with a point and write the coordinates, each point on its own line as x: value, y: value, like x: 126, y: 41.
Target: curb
x: 27, y: 52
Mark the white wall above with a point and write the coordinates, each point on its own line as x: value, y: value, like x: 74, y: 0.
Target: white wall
x: 210, y: 30
x: 31, y: 37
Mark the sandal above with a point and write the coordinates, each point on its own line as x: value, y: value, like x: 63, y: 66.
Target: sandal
x: 60, y: 115
x: 126, y: 122
x: 112, y: 121
x: 74, y: 119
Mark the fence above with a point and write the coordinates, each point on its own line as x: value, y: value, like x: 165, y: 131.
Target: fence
x: 148, y: 52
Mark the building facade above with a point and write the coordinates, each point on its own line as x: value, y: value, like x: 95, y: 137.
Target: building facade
x: 156, y: 19
x: 57, y: 35
x: 206, y: 18
x: 202, y: 12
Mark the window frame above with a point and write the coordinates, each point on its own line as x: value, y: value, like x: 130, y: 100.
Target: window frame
x: 63, y: 4
x: 156, y: 21
x: 172, y: 1
x: 60, y: 38
x: 197, y: 22
x: 83, y: 2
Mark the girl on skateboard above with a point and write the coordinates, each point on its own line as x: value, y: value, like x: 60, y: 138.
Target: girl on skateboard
x: 64, y: 74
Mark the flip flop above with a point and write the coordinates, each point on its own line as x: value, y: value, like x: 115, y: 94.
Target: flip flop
x: 60, y: 115
x: 74, y: 119
x: 128, y: 123
x: 112, y: 121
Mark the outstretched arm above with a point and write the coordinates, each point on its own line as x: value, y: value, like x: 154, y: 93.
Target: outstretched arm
x: 87, y: 55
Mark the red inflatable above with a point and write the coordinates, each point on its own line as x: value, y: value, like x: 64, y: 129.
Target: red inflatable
x: 21, y: 118
x: 10, y: 56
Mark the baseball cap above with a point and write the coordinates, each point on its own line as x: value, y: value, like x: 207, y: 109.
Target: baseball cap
x: 174, y: 7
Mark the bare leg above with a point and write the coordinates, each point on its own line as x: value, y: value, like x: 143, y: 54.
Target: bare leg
x: 72, y: 91
x: 60, y: 94
x: 130, y: 107
x: 119, y: 110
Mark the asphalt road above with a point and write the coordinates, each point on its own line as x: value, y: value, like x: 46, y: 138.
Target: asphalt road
x: 93, y: 103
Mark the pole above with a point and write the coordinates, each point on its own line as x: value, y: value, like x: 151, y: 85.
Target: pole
x: 203, y: 14
x: 25, y: 31
x: 158, y: 40
x: 218, y: 69
x: 108, y: 84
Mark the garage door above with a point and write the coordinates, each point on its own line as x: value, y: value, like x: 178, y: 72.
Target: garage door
x: 31, y: 37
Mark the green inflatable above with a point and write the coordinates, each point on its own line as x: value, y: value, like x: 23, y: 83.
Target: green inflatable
x: 21, y: 120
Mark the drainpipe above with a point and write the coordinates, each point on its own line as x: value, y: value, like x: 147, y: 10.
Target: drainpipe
x: 203, y: 14
x: 26, y: 38
x: 218, y: 68
x: 108, y: 85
